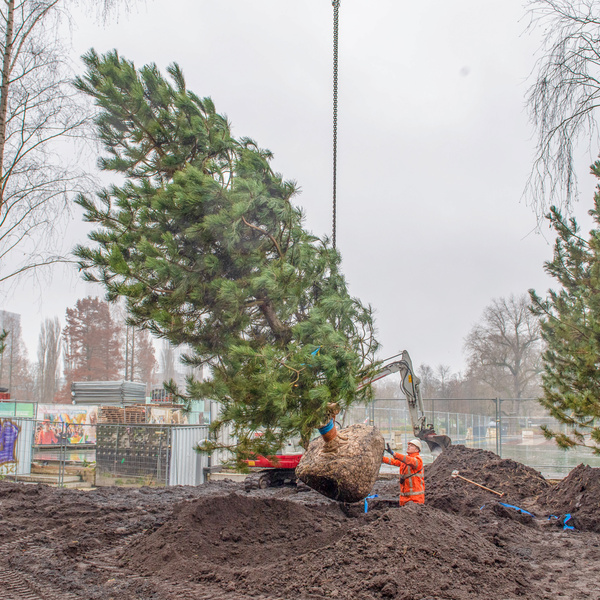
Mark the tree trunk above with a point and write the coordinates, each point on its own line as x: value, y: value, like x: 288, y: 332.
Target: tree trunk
x: 4, y: 85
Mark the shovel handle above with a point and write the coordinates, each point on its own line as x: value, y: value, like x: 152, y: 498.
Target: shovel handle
x: 479, y: 485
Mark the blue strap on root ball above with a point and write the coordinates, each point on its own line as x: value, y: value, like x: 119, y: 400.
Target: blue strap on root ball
x: 323, y: 430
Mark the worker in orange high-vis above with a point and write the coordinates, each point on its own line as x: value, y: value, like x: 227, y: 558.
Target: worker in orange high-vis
x: 412, y: 480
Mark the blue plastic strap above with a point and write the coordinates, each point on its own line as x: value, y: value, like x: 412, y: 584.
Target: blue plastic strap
x: 326, y: 428
x: 316, y: 352
x: 567, y: 518
x: 521, y: 510
x: 366, y: 503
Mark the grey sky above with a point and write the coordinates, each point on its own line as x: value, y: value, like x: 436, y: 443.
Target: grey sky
x: 434, y: 144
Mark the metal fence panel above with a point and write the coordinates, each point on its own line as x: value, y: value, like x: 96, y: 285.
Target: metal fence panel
x: 163, y: 454
x: 132, y: 454
x: 186, y: 465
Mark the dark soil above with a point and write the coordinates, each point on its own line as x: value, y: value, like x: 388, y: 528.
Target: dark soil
x: 217, y: 541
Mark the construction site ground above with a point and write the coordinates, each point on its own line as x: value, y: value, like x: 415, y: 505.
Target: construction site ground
x: 220, y: 542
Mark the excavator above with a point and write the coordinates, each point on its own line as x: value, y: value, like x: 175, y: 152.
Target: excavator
x: 280, y: 469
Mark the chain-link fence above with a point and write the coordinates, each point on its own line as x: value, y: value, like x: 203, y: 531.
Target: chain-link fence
x: 510, y: 428
x: 135, y: 454
x: 102, y: 453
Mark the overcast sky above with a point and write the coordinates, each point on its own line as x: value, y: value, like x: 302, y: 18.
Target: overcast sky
x: 434, y: 144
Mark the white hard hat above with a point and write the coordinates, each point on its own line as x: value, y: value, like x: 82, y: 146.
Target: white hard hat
x: 416, y: 443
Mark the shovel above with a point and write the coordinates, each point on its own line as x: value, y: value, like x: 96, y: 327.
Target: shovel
x: 455, y: 474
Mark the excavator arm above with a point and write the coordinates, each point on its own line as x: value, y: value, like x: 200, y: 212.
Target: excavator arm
x: 410, y: 385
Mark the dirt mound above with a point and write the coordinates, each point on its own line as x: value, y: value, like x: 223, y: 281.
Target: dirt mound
x: 217, y: 542
x: 578, y: 494
x: 279, y: 548
x: 233, y: 529
x: 411, y: 553
x: 505, y: 476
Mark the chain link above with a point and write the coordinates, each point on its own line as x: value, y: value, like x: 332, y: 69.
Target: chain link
x: 336, y: 8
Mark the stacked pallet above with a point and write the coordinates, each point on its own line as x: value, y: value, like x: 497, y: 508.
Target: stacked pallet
x: 134, y: 415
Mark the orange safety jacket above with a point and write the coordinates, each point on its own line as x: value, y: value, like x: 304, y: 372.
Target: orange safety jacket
x: 412, y: 489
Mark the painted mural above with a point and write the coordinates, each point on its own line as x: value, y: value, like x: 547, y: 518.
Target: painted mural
x: 60, y: 424
x: 9, y: 434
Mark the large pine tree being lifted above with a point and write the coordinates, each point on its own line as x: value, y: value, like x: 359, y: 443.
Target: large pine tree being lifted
x: 206, y: 246
x: 570, y: 320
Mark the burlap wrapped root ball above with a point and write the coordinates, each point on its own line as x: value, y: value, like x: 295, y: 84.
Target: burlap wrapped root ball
x: 345, y: 468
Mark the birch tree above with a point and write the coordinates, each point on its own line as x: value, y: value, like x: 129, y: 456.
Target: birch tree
x: 40, y: 116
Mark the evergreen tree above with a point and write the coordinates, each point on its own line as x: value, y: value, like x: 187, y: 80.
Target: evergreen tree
x: 570, y: 321
x: 206, y: 246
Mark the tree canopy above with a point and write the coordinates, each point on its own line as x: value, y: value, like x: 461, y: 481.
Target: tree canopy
x: 504, y: 348
x: 570, y: 322
x: 92, y: 344
x: 206, y: 246
x: 562, y: 100
x: 40, y: 119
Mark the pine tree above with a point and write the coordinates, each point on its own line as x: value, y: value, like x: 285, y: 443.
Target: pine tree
x: 205, y: 244
x: 570, y: 321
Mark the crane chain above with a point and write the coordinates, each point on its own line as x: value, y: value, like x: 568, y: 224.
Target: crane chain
x: 336, y: 9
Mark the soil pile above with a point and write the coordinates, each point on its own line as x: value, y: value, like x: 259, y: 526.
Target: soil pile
x: 218, y: 542
x: 578, y: 494
x: 505, y: 476
x: 518, y: 483
x: 275, y: 547
x: 235, y: 530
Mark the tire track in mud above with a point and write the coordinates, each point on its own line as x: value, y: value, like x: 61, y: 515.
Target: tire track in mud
x: 17, y: 585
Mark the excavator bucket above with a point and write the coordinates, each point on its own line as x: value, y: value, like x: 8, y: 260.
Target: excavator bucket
x: 437, y: 443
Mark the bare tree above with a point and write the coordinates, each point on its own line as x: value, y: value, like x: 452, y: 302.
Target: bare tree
x: 48, y: 367
x: 443, y: 375
x: 563, y: 99
x: 15, y: 370
x: 145, y: 359
x: 429, y: 384
x: 40, y: 112
x: 504, y: 350
x: 167, y: 362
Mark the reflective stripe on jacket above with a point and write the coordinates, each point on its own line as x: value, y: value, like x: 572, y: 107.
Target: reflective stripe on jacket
x: 411, y: 467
